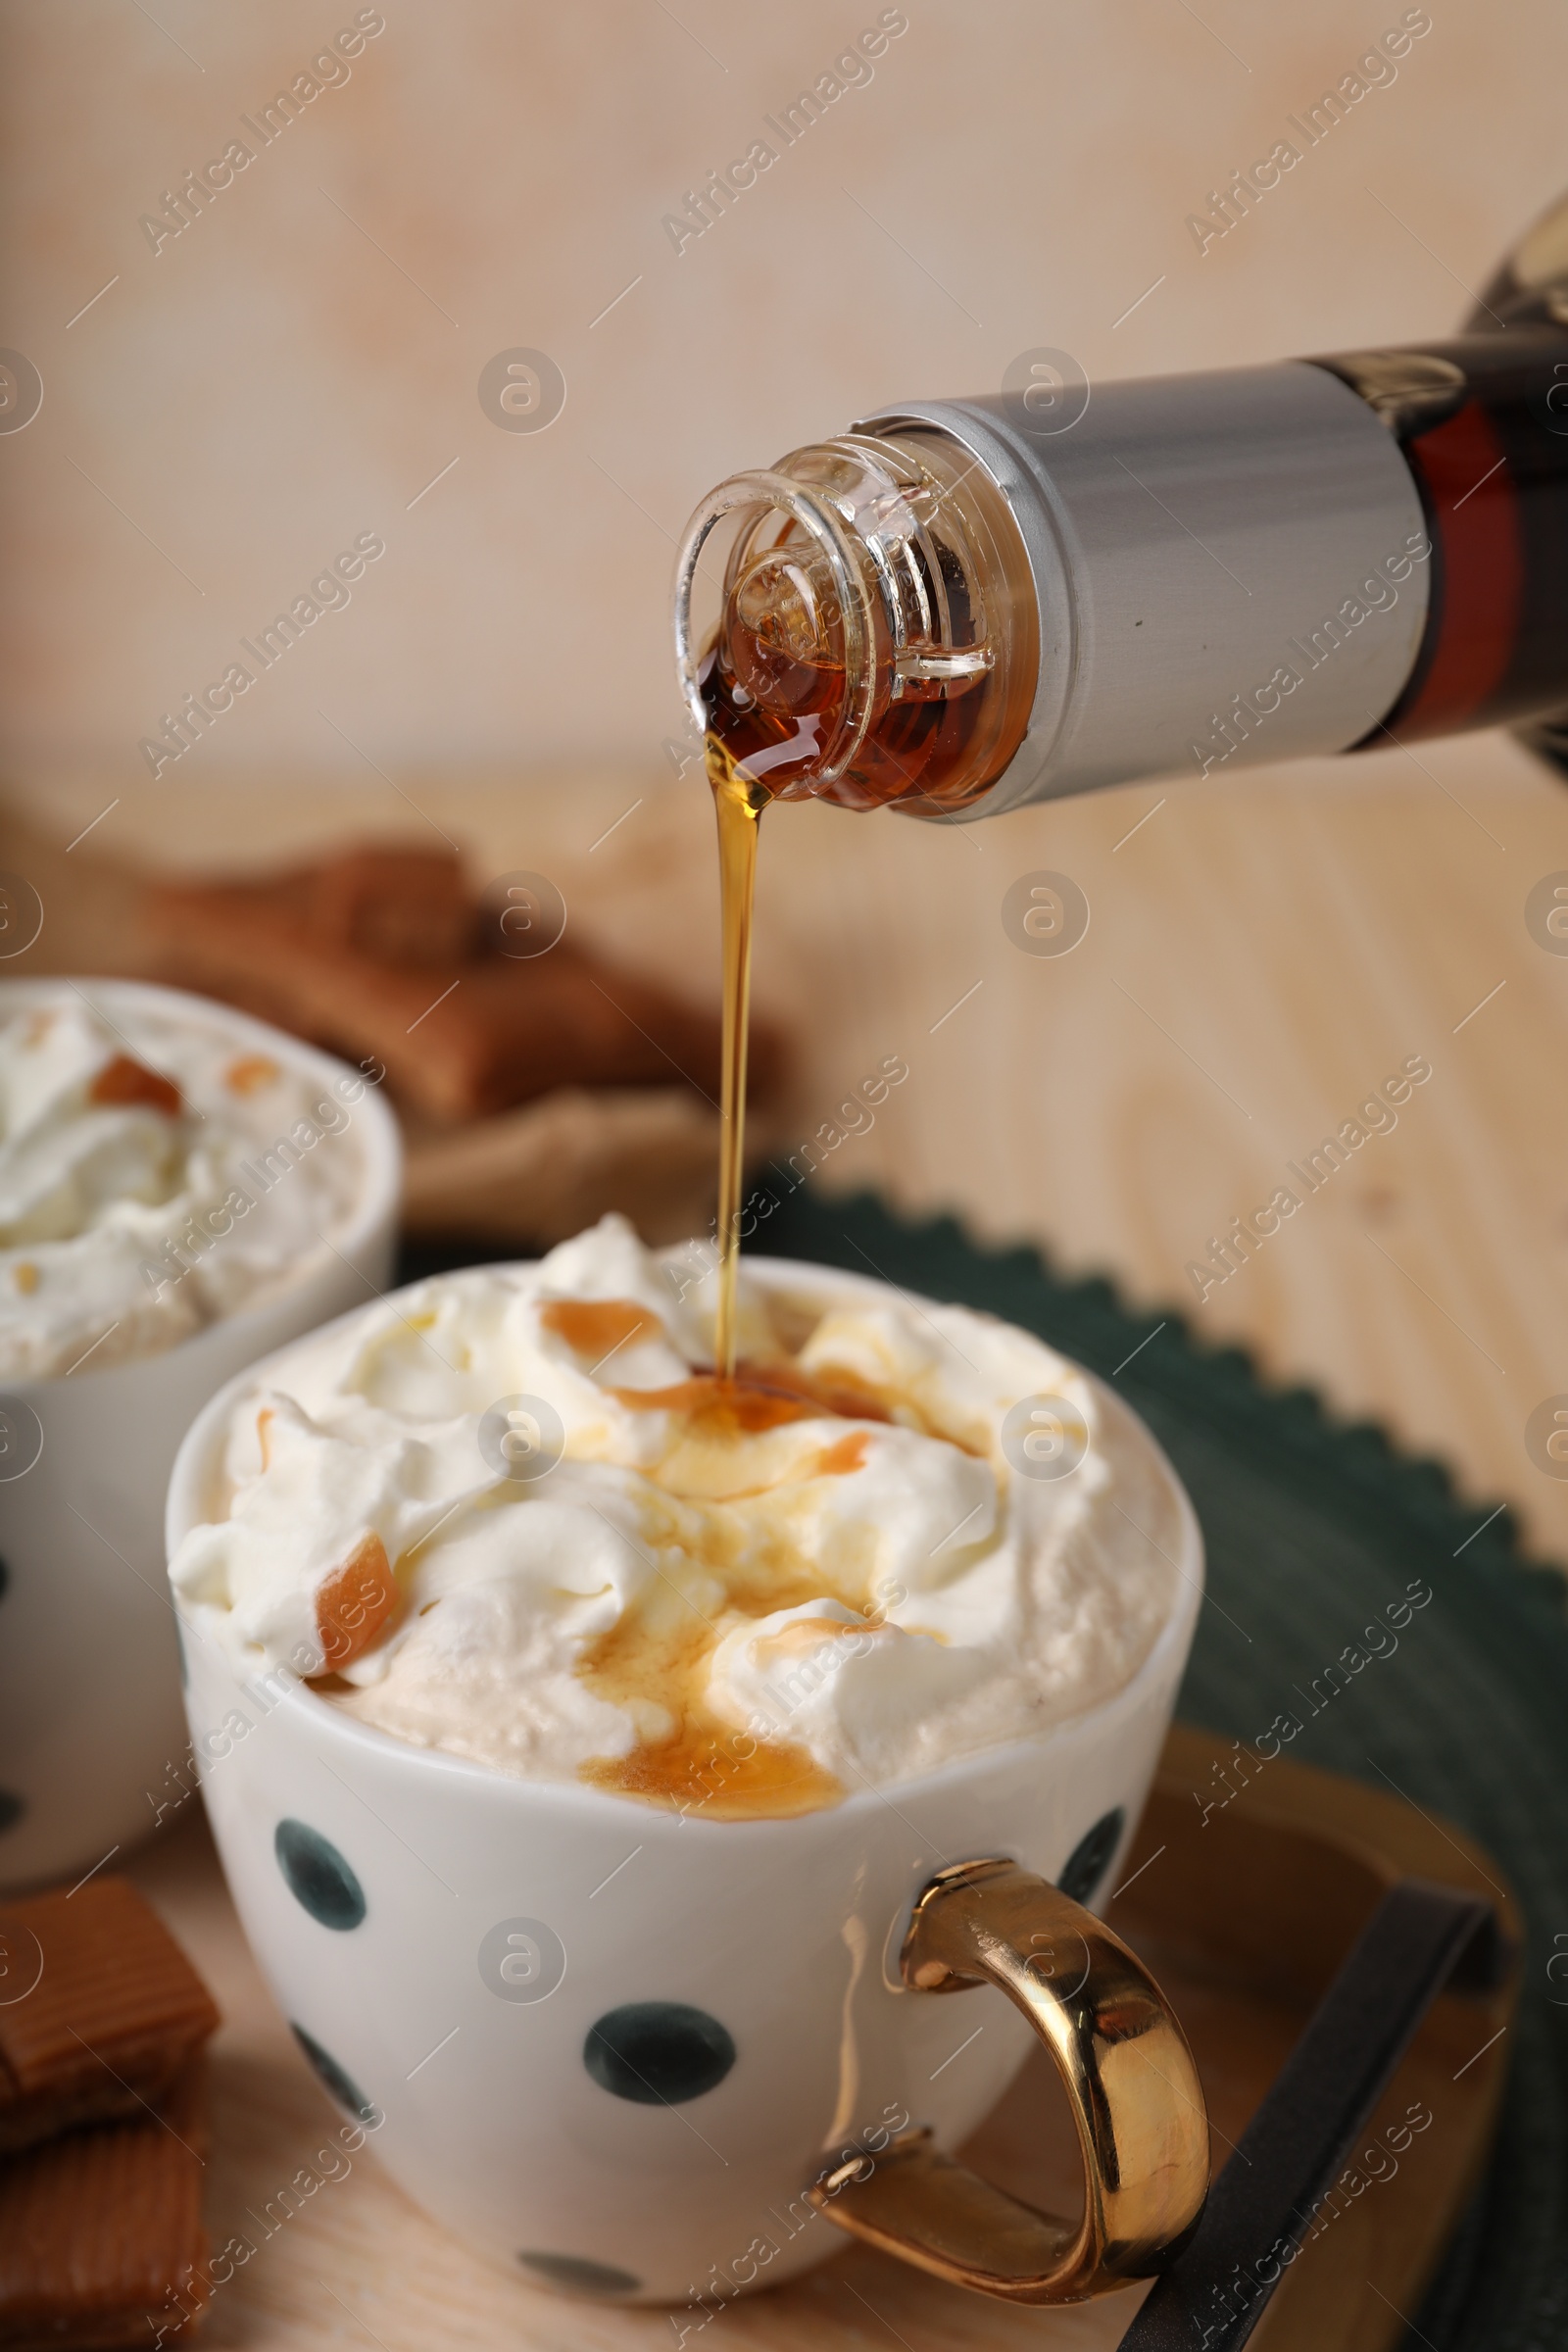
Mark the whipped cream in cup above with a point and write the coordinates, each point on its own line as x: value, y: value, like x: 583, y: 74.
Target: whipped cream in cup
x: 861, y: 1563
x: 157, y: 1172
x: 576, y: 1738
x: 181, y: 1189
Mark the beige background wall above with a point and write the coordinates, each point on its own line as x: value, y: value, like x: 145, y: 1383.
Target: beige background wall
x: 294, y: 369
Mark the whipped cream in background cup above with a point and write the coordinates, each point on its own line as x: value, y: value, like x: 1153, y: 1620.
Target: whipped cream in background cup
x: 604, y: 2021
x: 132, y: 1284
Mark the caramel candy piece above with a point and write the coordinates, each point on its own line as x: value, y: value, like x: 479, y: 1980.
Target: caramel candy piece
x: 848, y: 1455
x: 385, y: 955
x: 596, y: 1328
x: 124, y: 1080
x: 251, y: 1071
x: 355, y: 1603
x: 113, y: 2012
x: 101, y: 2241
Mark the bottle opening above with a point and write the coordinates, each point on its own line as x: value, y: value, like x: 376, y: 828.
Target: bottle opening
x: 858, y: 624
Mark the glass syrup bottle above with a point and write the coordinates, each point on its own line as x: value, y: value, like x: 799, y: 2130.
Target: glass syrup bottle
x: 963, y: 605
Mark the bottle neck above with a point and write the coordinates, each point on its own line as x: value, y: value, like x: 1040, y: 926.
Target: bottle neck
x: 876, y: 638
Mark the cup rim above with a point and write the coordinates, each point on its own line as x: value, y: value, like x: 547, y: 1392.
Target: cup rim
x: 382, y: 1151
x: 370, y: 1742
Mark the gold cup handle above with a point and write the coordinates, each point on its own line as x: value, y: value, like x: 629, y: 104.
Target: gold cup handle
x: 1130, y: 2080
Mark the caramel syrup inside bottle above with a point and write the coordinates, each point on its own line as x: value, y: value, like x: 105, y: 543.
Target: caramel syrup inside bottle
x: 890, y: 655
x: 777, y: 687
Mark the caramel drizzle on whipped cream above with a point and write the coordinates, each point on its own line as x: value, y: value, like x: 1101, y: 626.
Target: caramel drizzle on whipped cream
x: 654, y: 1663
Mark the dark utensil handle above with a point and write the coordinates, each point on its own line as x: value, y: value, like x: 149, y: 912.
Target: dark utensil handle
x: 1420, y: 1940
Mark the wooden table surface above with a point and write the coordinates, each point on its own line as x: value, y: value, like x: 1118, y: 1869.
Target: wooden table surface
x: 1261, y: 953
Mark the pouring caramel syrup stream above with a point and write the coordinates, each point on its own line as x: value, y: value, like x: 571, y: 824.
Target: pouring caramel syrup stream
x: 769, y: 686
x: 778, y: 703
x: 738, y: 804
x: 776, y: 688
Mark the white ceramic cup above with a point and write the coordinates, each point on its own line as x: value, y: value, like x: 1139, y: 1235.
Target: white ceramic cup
x: 616, y: 2044
x: 92, y: 1738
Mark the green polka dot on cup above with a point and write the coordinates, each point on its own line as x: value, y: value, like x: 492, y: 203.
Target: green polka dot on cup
x: 658, y: 2053
x: 321, y: 1879
x: 576, y: 2275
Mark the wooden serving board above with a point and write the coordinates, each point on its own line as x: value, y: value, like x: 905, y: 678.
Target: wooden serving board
x: 1244, y: 1917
